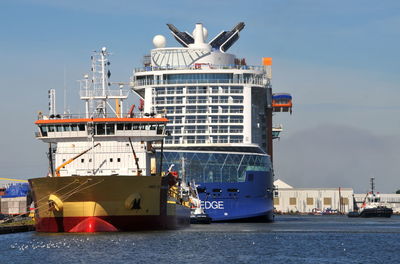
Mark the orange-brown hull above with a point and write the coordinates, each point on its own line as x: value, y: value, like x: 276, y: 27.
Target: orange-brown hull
x: 105, y: 203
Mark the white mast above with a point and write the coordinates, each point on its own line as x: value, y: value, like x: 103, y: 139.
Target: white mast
x: 97, y: 93
x: 52, y: 102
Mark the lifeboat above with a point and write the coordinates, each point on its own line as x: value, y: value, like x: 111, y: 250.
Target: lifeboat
x: 282, y: 102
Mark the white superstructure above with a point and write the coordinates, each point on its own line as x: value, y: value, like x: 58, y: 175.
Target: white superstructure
x: 210, y: 97
x: 104, y: 140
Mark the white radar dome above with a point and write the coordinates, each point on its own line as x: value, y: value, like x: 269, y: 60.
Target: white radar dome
x: 205, y: 33
x: 159, y: 41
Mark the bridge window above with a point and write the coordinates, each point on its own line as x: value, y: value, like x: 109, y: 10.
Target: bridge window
x: 100, y: 129
x: 110, y: 129
x: 67, y: 128
x: 81, y: 127
x: 74, y: 127
x: 43, y: 130
x: 59, y: 128
x: 120, y: 126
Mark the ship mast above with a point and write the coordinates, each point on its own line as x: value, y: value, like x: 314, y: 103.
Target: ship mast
x: 372, y: 185
x: 96, y: 92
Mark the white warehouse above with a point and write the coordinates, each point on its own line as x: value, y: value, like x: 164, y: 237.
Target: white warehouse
x: 306, y: 200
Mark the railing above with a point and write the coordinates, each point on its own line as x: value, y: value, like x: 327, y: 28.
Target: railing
x: 255, y: 81
x: 95, y: 115
x: 194, y: 67
x: 101, y: 93
x: 196, y: 111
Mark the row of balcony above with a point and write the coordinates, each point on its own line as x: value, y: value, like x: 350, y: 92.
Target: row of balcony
x: 200, y: 91
x: 204, y: 121
x: 198, y: 101
x: 201, y: 131
x: 202, y: 141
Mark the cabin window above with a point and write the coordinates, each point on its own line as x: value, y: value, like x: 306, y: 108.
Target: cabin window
x: 152, y: 127
x: 63, y: 160
x: 276, y: 201
x: 110, y: 129
x: 201, y: 190
x: 292, y: 201
x: 82, y: 160
x: 100, y: 129
x: 111, y: 159
x: 81, y: 127
x: 74, y: 127
x: 90, y: 160
x: 59, y: 128
x: 120, y: 126
x: 135, y: 127
x: 310, y: 201
x: 67, y: 128
x: 51, y: 128
x: 118, y: 159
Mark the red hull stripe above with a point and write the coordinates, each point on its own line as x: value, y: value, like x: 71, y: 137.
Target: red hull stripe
x: 110, y: 223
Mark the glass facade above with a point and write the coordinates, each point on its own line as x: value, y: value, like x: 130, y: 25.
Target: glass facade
x: 206, y: 167
x: 202, y: 77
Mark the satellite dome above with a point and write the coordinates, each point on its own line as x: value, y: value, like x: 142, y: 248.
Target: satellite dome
x: 159, y: 41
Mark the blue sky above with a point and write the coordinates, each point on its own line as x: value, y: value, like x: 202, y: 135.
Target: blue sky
x: 339, y: 59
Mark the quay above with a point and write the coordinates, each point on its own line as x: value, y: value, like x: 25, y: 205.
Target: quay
x: 17, y: 227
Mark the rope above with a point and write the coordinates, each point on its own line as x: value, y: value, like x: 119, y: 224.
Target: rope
x: 63, y: 197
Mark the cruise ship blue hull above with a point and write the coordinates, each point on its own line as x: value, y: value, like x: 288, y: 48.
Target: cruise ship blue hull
x: 245, y: 201
x: 232, y: 186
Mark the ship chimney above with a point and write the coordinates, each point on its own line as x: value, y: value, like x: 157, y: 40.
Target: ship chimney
x: 199, y: 34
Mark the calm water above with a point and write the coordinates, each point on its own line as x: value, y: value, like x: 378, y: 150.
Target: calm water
x: 291, y: 239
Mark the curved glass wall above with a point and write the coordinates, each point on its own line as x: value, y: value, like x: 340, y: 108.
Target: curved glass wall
x: 214, y: 167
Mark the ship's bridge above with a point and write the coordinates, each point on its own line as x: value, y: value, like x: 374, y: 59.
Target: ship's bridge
x: 74, y: 127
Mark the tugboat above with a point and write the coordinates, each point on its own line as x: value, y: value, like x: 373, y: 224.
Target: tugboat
x: 103, y: 171
x: 371, y: 206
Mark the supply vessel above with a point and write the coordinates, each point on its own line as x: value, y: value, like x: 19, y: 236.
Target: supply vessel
x: 103, y: 173
x: 220, y: 110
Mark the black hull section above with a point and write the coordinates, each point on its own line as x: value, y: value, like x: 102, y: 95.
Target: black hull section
x: 373, y: 212
x: 377, y: 212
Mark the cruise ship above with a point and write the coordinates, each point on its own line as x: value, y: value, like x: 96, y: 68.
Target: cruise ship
x: 220, y: 112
